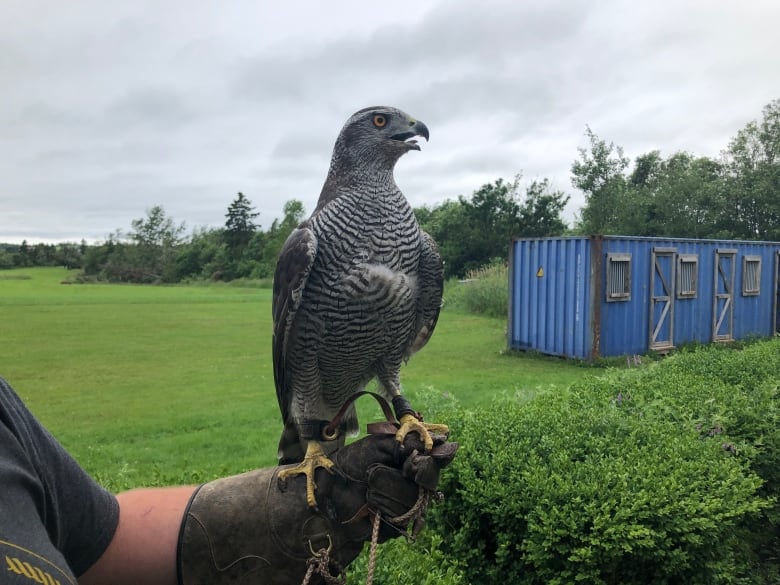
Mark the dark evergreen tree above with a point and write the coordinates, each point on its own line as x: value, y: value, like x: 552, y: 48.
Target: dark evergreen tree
x: 24, y: 256
x: 239, y: 225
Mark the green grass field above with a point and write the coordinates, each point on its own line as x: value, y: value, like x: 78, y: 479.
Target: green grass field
x: 153, y: 385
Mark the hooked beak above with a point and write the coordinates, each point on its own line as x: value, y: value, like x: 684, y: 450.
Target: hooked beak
x: 416, y: 129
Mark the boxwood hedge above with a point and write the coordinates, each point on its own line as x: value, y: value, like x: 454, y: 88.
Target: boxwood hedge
x: 662, y: 474
x: 667, y: 473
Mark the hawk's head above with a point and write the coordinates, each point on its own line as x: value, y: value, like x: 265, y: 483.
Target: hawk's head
x: 379, y: 134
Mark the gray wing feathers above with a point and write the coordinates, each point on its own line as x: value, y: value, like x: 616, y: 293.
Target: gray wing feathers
x: 292, y: 271
x: 431, y: 286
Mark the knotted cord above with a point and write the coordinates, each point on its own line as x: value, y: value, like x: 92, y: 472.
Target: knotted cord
x: 321, y: 563
x: 415, y: 512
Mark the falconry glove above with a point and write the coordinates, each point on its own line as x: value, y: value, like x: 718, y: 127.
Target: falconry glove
x: 256, y: 528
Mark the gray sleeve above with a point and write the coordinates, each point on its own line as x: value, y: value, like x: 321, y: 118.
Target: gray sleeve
x: 79, y: 515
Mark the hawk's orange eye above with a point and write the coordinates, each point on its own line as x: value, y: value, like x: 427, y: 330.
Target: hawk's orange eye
x: 379, y: 120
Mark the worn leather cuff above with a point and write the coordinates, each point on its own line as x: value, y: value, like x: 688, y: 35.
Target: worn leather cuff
x: 402, y: 407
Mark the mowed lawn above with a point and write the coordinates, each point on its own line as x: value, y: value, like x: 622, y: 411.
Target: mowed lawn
x: 152, y: 385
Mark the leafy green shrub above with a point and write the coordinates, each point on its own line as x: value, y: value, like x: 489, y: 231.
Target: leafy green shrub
x: 421, y: 562
x: 646, y: 475
x: 734, y: 395
x: 728, y: 395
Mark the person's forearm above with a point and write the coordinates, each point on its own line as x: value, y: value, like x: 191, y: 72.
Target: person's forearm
x: 143, y: 549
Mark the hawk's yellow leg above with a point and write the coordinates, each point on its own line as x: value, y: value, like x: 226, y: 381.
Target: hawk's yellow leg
x: 315, y: 457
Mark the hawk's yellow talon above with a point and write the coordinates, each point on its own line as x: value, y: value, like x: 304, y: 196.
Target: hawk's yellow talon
x: 315, y: 457
x: 410, y: 424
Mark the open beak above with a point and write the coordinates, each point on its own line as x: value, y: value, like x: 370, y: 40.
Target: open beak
x: 416, y: 130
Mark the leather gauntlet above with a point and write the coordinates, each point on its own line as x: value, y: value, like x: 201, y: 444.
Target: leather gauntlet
x: 253, y: 528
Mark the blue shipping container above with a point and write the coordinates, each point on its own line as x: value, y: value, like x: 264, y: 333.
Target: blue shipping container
x: 594, y: 296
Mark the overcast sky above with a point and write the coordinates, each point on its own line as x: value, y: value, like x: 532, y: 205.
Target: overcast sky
x: 110, y: 108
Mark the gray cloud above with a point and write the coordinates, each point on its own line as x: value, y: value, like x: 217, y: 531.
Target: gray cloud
x: 110, y: 108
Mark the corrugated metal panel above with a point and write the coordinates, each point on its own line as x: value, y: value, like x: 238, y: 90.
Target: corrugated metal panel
x: 693, y: 310
x: 568, y: 295
x: 776, y: 309
x: 626, y: 327
x: 753, y: 312
x: 549, y: 295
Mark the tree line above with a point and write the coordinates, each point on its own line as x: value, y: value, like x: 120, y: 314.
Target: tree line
x: 470, y: 231
x: 156, y: 249
x: 736, y: 196
x: 69, y: 255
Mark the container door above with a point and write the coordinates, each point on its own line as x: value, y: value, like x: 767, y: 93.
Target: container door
x: 662, y: 274
x: 723, y: 303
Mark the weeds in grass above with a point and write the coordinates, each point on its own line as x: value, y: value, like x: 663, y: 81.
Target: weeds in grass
x: 484, y: 291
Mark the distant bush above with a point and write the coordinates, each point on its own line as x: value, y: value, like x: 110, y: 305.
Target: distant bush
x: 483, y: 292
x: 661, y: 474
x: 15, y: 276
